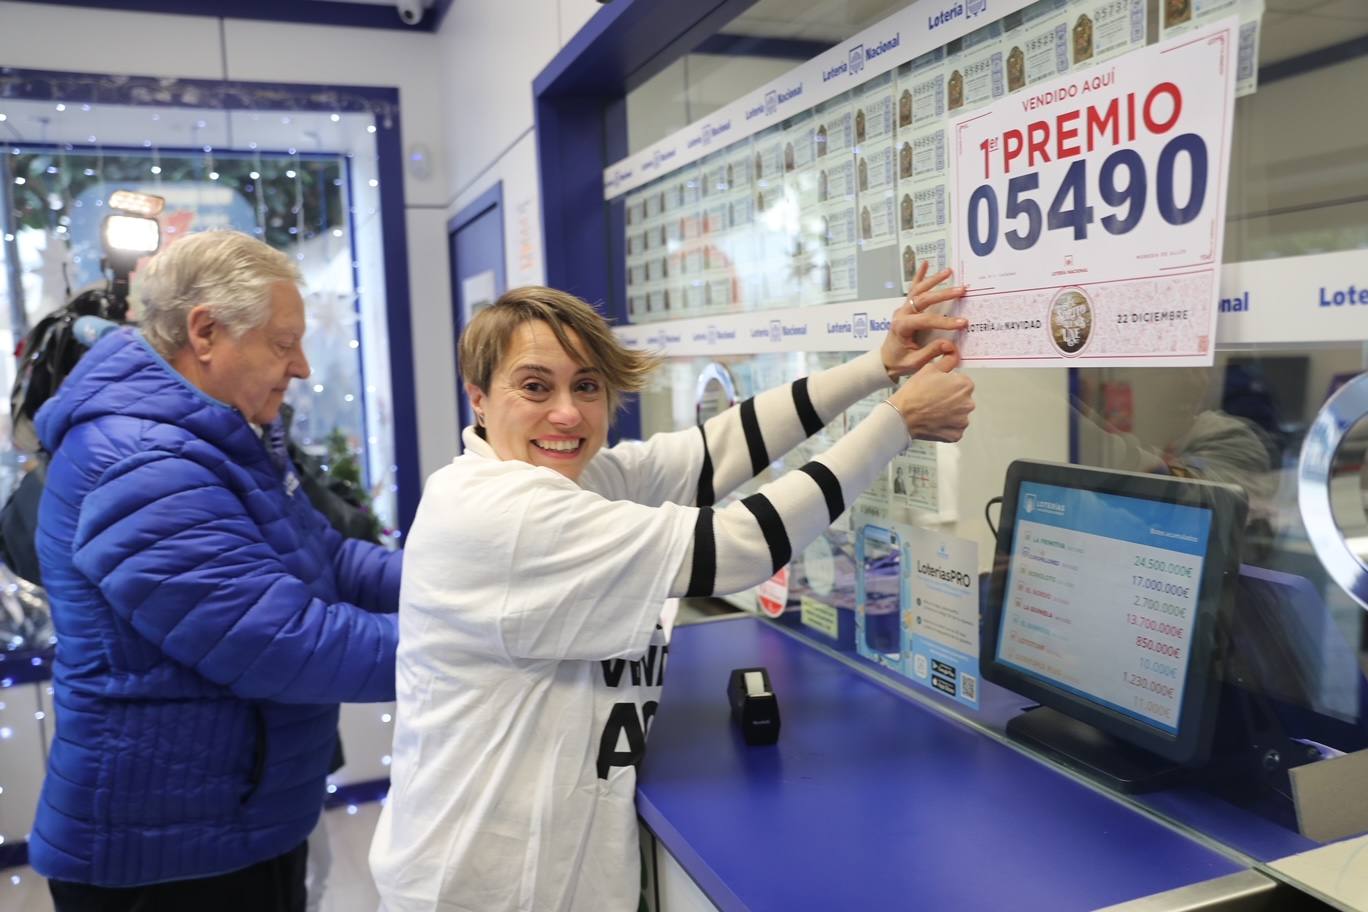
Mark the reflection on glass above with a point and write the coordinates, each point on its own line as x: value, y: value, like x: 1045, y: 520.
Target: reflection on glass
x: 1348, y: 477
x: 298, y: 203
x: 1242, y: 421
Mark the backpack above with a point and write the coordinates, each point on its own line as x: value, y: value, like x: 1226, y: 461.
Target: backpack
x: 48, y: 354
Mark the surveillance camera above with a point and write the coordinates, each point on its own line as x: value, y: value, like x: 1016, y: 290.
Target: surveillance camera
x: 411, y: 11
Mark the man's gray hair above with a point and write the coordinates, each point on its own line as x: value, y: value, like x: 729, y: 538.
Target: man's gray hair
x: 229, y: 272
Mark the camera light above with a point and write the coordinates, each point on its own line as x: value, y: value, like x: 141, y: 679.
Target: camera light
x: 134, y: 203
x: 131, y: 234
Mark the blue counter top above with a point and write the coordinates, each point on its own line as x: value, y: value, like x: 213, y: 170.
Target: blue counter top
x: 871, y: 800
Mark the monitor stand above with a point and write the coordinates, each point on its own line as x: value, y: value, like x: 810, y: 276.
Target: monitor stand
x: 1094, y: 753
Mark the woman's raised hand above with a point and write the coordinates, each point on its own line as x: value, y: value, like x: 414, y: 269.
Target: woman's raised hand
x: 907, y: 349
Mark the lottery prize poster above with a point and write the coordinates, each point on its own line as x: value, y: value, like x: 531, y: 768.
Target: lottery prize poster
x: 941, y: 618
x: 1089, y: 211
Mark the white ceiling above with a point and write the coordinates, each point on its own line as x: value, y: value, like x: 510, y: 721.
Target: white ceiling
x: 93, y: 126
x: 828, y: 21
x: 1291, y: 27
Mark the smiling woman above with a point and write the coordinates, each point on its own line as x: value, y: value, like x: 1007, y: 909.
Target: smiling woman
x: 544, y: 376
x: 538, y: 572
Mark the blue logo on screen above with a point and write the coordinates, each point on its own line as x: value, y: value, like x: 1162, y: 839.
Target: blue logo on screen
x: 1030, y: 503
x: 856, y: 59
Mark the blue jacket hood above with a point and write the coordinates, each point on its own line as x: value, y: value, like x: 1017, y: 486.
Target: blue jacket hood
x: 123, y: 375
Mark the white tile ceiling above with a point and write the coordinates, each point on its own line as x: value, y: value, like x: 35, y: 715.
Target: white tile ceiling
x: 1291, y: 27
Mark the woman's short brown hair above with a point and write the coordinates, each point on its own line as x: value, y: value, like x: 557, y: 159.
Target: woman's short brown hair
x: 485, y: 340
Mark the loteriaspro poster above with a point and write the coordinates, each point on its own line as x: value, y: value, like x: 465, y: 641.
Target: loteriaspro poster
x: 941, y: 619
x: 1089, y: 210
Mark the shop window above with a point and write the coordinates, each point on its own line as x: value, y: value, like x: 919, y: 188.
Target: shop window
x: 320, y: 207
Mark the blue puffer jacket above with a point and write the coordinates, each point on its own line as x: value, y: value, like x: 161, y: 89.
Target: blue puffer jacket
x: 209, y: 621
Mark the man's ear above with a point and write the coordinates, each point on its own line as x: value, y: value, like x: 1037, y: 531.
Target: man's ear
x: 203, y: 331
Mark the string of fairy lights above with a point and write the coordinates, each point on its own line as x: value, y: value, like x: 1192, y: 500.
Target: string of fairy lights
x: 300, y: 200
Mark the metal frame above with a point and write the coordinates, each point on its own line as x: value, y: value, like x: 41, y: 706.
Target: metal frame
x: 579, y: 102
x: 1336, y: 419
x: 489, y: 199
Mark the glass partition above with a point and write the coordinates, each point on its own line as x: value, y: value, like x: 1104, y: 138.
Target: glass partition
x: 839, y: 201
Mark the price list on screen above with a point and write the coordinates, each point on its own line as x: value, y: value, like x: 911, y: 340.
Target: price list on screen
x: 1101, y: 597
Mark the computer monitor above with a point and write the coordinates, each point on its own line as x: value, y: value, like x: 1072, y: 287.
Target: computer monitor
x: 1107, y: 595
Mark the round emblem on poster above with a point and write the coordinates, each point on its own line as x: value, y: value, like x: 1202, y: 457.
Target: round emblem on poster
x: 1071, y: 321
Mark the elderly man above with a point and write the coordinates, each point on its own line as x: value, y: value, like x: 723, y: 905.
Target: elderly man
x: 209, y: 621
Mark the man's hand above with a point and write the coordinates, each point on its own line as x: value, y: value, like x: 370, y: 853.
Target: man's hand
x: 906, y: 349
x: 935, y: 404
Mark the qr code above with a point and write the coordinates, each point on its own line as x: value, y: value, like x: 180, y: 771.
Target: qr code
x: 969, y: 686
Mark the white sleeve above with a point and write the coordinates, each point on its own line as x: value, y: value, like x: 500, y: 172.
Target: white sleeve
x: 739, y: 443
x: 748, y: 541
x: 702, y: 465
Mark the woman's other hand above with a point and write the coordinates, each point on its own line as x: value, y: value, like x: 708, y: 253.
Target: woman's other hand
x: 935, y: 403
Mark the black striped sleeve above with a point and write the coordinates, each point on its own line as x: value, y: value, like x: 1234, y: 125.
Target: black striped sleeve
x: 830, y: 485
x: 772, y: 527
x: 706, y: 495
x: 703, y: 572
x: 802, y: 404
x: 755, y: 441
